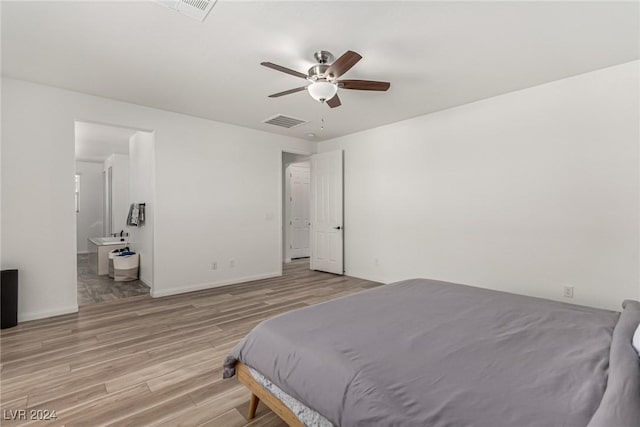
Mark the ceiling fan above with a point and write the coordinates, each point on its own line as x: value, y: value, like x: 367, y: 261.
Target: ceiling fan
x: 324, y: 78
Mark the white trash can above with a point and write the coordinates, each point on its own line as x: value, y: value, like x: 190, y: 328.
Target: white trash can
x: 125, y: 268
x: 112, y: 254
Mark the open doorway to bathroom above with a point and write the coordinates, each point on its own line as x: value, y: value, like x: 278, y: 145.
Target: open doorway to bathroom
x: 296, y: 203
x: 114, y: 191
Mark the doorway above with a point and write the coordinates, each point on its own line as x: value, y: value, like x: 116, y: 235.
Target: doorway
x: 114, y: 173
x: 312, y: 210
x: 296, y: 190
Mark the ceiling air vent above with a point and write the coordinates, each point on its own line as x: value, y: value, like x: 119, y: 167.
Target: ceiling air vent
x: 196, y: 9
x: 284, y: 121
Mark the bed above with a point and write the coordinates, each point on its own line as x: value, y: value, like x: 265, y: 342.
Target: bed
x: 429, y: 353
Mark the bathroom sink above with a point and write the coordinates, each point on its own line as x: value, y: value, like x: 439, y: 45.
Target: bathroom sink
x: 102, y: 241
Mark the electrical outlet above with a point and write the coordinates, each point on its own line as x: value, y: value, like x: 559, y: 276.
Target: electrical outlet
x: 567, y: 291
x: 232, y: 263
x: 214, y: 265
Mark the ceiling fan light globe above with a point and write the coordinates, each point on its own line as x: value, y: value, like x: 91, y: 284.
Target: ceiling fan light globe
x: 322, y: 90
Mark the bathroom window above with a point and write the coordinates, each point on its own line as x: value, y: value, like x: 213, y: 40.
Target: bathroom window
x: 77, y: 193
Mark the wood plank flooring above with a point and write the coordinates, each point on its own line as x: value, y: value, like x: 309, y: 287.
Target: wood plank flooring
x: 151, y: 362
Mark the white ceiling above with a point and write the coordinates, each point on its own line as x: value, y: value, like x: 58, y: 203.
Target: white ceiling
x: 96, y: 142
x: 435, y: 54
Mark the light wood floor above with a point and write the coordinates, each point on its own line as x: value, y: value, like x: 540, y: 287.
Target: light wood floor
x: 145, y: 361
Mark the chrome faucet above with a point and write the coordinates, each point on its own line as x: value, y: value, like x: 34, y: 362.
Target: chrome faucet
x: 123, y: 234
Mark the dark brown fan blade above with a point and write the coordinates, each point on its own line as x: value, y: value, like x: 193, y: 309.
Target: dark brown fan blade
x: 284, y: 69
x: 334, y: 102
x: 364, y: 85
x: 287, y: 92
x: 343, y: 64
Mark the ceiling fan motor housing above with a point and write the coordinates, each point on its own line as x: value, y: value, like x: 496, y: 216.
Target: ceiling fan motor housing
x: 317, y: 72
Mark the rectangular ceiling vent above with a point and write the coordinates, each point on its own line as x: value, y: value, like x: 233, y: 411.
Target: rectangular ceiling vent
x: 196, y: 9
x: 284, y: 121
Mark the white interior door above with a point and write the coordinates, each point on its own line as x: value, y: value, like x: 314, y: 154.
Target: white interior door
x: 326, y: 212
x: 300, y: 208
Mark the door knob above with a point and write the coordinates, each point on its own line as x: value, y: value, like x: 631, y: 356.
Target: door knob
x: 337, y: 228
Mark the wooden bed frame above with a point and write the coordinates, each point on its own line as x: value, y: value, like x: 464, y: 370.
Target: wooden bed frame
x: 259, y: 393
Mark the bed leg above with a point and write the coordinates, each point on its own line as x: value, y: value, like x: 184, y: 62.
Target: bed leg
x: 253, y: 406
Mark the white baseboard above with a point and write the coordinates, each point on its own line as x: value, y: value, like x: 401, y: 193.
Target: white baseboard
x: 34, y: 315
x: 203, y: 286
x: 150, y: 285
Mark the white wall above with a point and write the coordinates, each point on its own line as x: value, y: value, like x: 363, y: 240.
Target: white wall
x: 141, y: 190
x: 522, y: 192
x: 119, y: 164
x: 218, y: 195
x: 89, y: 219
x: 38, y: 213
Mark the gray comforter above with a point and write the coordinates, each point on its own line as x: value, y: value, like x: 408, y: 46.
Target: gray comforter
x: 428, y: 353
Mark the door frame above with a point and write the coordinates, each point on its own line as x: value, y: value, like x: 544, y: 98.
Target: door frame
x: 281, y: 174
x: 152, y: 161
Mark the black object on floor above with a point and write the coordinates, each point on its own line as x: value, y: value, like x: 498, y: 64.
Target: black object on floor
x: 9, y: 299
